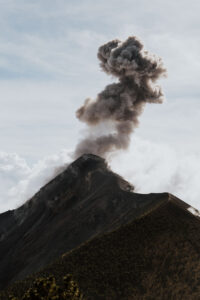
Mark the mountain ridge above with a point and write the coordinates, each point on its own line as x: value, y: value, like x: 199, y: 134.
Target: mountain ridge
x: 87, y: 201
x: 154, y: 256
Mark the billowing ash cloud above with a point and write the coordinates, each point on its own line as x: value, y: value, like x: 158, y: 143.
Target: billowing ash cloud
x: 121, y: 103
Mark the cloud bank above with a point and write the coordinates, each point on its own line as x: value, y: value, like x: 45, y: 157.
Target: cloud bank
x: 153, y: 167
x: 150, y: 167
x: 19, y: 181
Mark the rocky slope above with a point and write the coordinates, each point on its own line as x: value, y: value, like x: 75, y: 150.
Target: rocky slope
x: 156, y: 256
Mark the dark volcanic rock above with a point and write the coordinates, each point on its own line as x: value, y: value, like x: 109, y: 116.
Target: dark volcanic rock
x: 85, y: 200
x: 155, y: 256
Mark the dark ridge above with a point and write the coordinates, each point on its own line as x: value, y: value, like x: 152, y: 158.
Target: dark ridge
x: 7, y: 223
x: 155, y: 256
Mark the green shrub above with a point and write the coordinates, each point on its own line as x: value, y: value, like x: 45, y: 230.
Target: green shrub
x: 48, y: 289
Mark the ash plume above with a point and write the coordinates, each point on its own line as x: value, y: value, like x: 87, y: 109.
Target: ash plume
x: 121, y: 103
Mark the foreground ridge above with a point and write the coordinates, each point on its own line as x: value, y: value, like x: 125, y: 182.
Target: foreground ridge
x: 155, y: 256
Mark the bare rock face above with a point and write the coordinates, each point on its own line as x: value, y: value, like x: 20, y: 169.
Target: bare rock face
x: 85, y: 200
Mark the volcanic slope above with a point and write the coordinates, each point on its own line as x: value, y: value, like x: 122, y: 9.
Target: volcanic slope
x: 85, y: 200
x: 156, y: 256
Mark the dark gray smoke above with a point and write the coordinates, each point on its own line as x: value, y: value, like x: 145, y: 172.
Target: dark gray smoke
x: 122, y: 102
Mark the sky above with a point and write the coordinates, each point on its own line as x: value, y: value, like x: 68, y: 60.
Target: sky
x: 49, y: 66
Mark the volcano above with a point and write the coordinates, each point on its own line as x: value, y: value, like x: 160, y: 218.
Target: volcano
x: 115, y: 241
x: 85, y: 200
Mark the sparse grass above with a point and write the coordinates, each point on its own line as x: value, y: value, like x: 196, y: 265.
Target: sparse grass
x: 48, y: 289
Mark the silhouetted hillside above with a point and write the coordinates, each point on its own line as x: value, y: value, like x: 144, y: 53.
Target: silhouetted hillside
x: 156, y: 256
x: 85, y: 200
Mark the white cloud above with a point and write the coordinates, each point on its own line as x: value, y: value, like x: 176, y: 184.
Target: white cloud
x: 153, y: 167
x: 19, y: 182
x: 12, y: 170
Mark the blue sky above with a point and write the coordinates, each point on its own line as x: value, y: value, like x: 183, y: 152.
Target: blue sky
x: 48, y: 66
